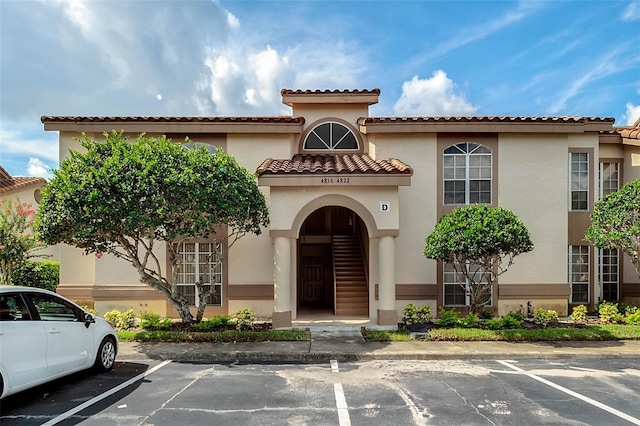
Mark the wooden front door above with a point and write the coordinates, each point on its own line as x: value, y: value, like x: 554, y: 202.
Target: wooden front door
x: 313, y: 281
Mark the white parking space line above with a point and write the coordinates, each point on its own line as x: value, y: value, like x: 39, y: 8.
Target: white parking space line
x: 341, y: 401
x: 102, y: 396
x: 586, y: 399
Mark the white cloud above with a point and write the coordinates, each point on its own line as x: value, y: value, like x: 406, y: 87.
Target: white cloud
x: 432, y: 96
x: 632, y: 12
x: 632, y: 114
x: 15, y: 142
x: 37, y: 167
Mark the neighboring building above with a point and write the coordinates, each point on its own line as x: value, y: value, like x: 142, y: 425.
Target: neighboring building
x: 27, y: 190
x: 353, y: 197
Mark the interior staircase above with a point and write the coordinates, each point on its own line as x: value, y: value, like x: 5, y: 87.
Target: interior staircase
x: 351, y: 296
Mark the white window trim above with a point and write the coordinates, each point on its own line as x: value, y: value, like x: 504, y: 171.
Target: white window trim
x: 601, y: 180
x: 219, y: 247
x: 571, y: 181
x: 467, y: 180
x: 467, y: 298
x: 570, y: 277
x: 601, y: 281
x: 334, y: 147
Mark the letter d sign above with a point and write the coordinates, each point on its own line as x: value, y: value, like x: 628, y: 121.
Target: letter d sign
x: 385, y: 206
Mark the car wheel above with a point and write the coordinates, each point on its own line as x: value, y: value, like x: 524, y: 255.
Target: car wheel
x: 1, y: 386
x: 106, y: 356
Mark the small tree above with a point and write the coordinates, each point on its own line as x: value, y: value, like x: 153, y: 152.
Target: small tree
x: 477, y: 240
x: 127, y: 199
x: 17, y: 242
x: 615, y: 222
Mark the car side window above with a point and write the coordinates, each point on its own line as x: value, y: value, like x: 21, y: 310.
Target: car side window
x: 51, y: 308
x: 13, y: 308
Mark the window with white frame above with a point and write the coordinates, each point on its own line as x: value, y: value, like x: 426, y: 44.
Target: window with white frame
x: 467, y: 174
x: 330, y: 136
x: 457, y: 294
x: 579, y: 273
x: 200, y: 262
x: 579, y: 181
x: 609, y: 178
x: 608, y: 274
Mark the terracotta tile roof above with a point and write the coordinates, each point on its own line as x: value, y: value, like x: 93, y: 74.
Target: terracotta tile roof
x: 330, y: 92
x: 333, y: 164
x: 9, y: 183
x: 630, y: 132
x: 482, y: 119
x: 173, y: 119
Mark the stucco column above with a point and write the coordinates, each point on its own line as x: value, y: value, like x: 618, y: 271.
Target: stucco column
x: 282, y: 282
x: 387, y: 313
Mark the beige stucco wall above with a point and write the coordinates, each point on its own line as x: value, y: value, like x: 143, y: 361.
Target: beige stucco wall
x: 417, y: 204
x: 538, y: 195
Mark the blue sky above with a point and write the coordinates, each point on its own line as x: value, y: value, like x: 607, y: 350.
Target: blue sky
x: 106, y: 58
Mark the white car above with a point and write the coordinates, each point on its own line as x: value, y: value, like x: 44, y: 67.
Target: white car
x: 44, y: 336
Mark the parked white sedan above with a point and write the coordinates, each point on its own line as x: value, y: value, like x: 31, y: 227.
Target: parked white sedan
x: 44, y: 336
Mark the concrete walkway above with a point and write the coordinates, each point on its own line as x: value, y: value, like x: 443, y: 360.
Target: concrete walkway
x: 350, y: 346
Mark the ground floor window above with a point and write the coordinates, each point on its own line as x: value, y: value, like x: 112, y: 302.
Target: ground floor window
x: 201, y: 262
x: 579, y: 273
x: 608, y: 274
x: 457, y: 294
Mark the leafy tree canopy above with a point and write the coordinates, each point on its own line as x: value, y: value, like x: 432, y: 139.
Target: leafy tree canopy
x: 119, y: 197
x: 615, y: 222
x: 477, y: 239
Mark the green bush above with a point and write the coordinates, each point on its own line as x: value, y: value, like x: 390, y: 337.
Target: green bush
x: 448, y: 318
x: 510, y: 321
x: 579, y: 313
x: 45, y: 274
x: 609, y: 313
x: 469, y: 321
x: 545, y: 317
x: 151, y: 321
x: 212, y: 323
x: 486, y: 314
x: 517, y: 315
x: 416, y: 315
x: 627, y: 309
x: 121, y: 320
x: 633, y: 319
x: 243, y: 319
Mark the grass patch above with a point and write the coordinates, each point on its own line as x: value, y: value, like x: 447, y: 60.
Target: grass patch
x: 588, y: 333
x: 226, y: 336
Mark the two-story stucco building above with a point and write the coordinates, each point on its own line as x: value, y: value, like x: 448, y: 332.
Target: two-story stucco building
x: 353, y: 197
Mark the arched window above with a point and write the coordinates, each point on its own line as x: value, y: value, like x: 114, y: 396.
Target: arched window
x: 467, y: 174
x: 330, y: 136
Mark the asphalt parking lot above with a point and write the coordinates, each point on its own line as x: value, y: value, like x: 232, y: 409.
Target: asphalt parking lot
x: 382, y: 392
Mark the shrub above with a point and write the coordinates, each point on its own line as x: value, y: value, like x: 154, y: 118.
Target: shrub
x: 609, y: 313
x: 545, y: 317
x: 517, y: 315
x: 151, y: 321
x: 486, y: 314
x: 416, y: 315
x: 633, y: 319
x: 45, y: 274
x: 470, y: 321
x: 122, y: 320
x: 88, y: 309
x: 212, y: 323
x: 243, y: 319
x: 627, y: 309
x: 510, y: 321
x: 448, y: 318
x: 579, y: 313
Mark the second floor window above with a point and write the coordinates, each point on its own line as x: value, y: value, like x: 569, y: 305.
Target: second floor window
x: 609, y: 178
x: 579, y: 184
x: 467, y: 174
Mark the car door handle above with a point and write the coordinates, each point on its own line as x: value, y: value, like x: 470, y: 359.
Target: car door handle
x: 54, y: 331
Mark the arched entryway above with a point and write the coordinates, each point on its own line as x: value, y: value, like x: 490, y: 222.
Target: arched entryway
x: 333, y: 263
